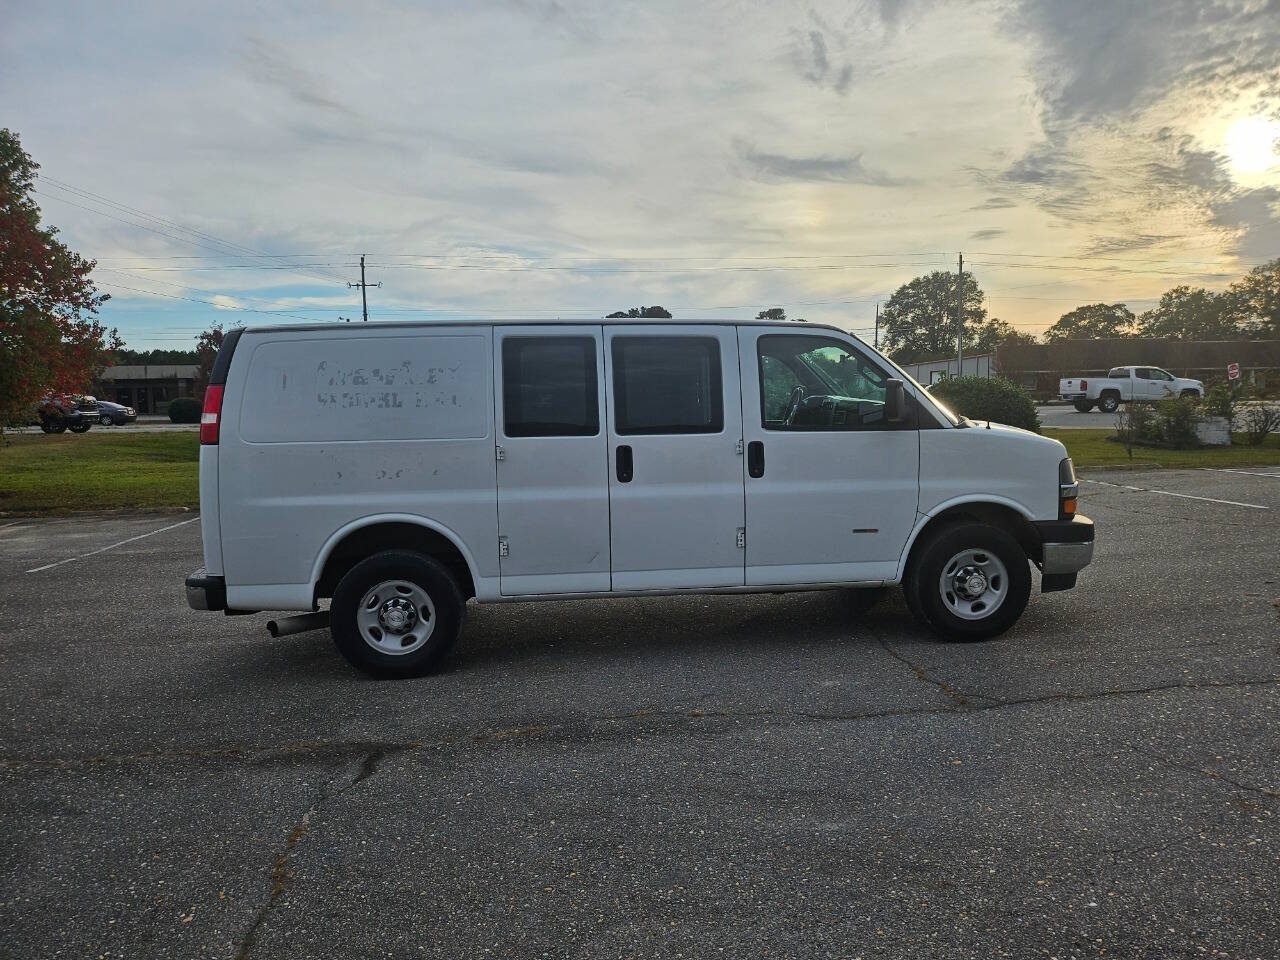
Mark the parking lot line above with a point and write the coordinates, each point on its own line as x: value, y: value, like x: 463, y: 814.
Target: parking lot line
x: 1247, y: 473
x: 141, y: 536
x: 1184, y: 496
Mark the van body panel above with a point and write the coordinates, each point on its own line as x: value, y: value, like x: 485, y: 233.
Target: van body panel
x: 675, y: 521
x: 553, y: 484
x: 831, y: 504
x: 380, y: 418
x: 998, y: 465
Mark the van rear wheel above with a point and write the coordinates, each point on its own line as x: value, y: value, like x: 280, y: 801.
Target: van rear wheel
x: 970, y: 581
x: 396, y: 614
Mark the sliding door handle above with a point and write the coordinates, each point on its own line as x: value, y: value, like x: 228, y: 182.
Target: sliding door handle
x: 755, y: 458
x: 624, y: 464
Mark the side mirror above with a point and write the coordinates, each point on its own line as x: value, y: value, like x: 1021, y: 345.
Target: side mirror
x: 895, y: 400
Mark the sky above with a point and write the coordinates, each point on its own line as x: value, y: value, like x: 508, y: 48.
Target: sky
x: 229, y: 163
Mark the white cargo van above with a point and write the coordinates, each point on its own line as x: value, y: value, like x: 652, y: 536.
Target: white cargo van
x: 400, y: 469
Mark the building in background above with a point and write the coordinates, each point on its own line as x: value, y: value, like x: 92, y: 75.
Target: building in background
x: 929, y: 372
x: 147, y: 387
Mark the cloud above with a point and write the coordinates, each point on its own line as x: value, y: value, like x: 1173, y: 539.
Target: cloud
x: 995, y: 203
x: 989, y: 234
x: 223, y: 302
x: 1101, y: 246
x: 1114, y: 58
x: 1255, y: 214
x: 777, y: 166
x: 272, y: 67
x: 811, y: 56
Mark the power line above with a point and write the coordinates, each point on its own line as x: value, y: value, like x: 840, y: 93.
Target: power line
x: 220, y: 306
x: 171, y: 224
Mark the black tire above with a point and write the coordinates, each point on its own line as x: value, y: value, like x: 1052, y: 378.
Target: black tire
x: 1109, y: 402
x: 923, y: 590
x: 428, y: 574
x: 105, y: 420
x: 47, y: 425
x: 1082, y: 406
x: 862, y: 599
x: 81, y: 427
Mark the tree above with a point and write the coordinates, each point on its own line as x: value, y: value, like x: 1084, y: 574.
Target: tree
x: 987, y: 336
x: 207, y: 345
x: 155, y: 356
x: 919, y: 321
x: 775, y: 314
x: 660, y: 313
x: 1192, y: 313
x: 1093, y: 321
x: 49, y: 339
x: 1257, y: 300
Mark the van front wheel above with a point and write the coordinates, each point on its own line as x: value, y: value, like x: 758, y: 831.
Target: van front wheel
x: 396, y: 614
x: 970, y: 581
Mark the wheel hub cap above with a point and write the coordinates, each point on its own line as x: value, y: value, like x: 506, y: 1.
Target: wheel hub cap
x: 397, y: 615
x: 971, y: 583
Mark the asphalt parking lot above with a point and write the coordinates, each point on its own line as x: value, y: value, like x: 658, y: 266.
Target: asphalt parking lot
x: 703, y: 776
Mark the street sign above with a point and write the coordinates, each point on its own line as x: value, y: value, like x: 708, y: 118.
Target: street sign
x: 1233, y: 371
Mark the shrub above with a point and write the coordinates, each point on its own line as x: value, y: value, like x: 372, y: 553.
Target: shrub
x: 1220, y: 401
x: 184, y: 410
x: 1135, y: 425
x: 1176, y: 419
x: 1257, y: 421
x: 995, y: 399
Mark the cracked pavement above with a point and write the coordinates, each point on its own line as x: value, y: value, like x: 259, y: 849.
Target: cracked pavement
x: 765, y: 776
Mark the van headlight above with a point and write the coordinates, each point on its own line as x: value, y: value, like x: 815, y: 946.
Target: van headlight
x: 1068, y: 489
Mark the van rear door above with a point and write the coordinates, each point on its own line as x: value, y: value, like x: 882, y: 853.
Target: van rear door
x: 675, y: 471
x: 553, y: 486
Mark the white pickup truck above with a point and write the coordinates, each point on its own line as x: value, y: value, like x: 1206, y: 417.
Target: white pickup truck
x: 1122, y: 384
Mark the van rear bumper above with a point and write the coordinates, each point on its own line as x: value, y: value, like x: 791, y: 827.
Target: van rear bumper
x: 205, y: 592
x: 1066, y: 548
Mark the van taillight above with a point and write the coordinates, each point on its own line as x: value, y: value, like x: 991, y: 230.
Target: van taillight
x: 1084, y: 384
x: 211, y: 414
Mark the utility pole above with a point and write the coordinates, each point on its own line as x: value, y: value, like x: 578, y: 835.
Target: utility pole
x: 364, y: 297
x: 960, y: 319
x: 877, y: 340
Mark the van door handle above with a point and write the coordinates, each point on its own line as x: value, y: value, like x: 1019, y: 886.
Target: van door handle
x: 624, y: 464
x: 755, y: 458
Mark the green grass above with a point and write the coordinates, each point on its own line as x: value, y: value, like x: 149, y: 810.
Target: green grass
x: 97, y: 471
x: 1091, y: 448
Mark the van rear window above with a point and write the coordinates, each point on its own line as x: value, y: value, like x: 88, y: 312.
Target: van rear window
x: 550, y: 387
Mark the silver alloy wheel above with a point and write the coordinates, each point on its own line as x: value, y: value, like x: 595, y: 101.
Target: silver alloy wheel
x: 973, y: 584
x: 104, y: 421
x: 396, y: 617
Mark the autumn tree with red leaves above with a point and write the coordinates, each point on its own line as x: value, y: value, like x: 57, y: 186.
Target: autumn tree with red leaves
x: 50, y: 340
x: 207, y: 345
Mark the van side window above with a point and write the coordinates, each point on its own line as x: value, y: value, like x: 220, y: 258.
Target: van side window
x: 818, y: 383
x: 667, y: 385
x: 549, y: 387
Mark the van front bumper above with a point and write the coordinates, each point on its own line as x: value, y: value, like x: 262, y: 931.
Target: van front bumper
x: 1066, y: 548
x: 205, y: 592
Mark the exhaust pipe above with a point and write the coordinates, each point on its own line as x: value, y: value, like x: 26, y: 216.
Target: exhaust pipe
x: 287, y: 626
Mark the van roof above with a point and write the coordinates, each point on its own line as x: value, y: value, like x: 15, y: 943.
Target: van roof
x: 590, y: 321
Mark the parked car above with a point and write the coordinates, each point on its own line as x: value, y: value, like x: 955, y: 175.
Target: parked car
x: 115, y: 413
x: 1123, y: 384
x: 57, y: 414
x: 403, y: 468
